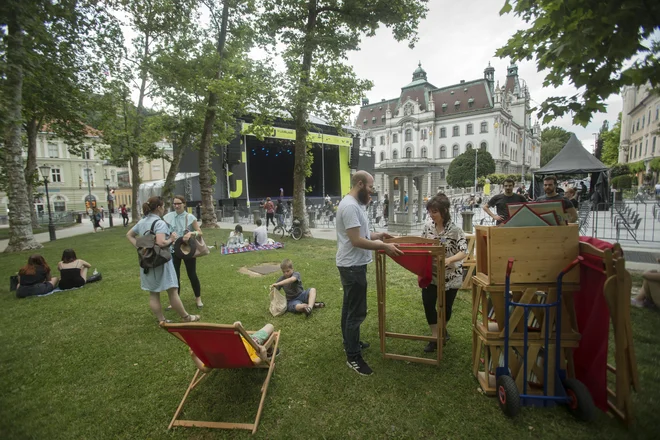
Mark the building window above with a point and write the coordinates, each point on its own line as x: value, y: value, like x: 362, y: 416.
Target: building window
x: 637, y: 125
x: 372, y: 141
x: 373, y: 120
x: 365, y: 122
x: 395, y: 138
x: 382, y: 140
x: 85, y: 154
x: 53, y: 150
x: 55, y: 175
x: 87, y: 176
x: 653, y: 146
x: 155, y: 168
x: 646, y: 147
x: 443, y: 152
x: 59, y: 206
x: 408, y: 135
x: 395, y: 154
x: 457, y: 105
x: 643, y: 121
x: 382, y: 156
x: 455, y: 130
x: 444, y: 107
x: 484, y: 127
x: 469, y: 129
x: 443, y: 132
x: 468, y: 146
x: 657, y: 112
x: 470, y: 102
x: 484, y: 146
x: 408, y: 153
x: 455, y: 150
x: 442, y: 173
x: 423, y: 134
x: 424, y: 153
x: 382, y: 118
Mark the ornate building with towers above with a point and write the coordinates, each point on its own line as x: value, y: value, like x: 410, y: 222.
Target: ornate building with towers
x: 416, y: 135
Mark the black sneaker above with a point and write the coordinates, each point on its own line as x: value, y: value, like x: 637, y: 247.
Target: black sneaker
x: 364, y: 345
x: 431, y: 347
x: 359, y: 365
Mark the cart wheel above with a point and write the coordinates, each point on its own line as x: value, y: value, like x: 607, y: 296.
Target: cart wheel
x: 507, y: 396
x: 580, y: 402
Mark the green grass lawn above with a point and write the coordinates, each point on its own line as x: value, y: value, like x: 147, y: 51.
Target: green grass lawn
x: 93, y: 364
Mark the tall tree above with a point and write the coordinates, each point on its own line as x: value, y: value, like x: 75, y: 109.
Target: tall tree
x: 15, y: 16
x: 317, y: 35
x: 611, y: 138
x: 599, y: 46
x: 461, y: 170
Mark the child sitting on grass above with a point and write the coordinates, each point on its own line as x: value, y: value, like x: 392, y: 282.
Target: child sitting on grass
x: 298, y: 300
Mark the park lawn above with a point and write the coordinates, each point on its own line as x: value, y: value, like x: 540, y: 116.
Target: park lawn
x: 92, y: 363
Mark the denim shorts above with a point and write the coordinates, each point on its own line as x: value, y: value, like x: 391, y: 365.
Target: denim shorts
x: 300, y: 299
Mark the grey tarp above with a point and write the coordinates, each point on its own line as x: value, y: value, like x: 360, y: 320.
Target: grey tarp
x: 572, y: 159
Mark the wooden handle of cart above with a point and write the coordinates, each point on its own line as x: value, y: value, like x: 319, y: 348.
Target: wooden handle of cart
x: 572, y: 264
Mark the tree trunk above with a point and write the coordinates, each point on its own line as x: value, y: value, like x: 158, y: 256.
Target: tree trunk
x: 137, y: 132
x: 32, y: 128
x: 20, y: 224
x: 206, y: 176
x: 300, y: 119
x: 168, y: 186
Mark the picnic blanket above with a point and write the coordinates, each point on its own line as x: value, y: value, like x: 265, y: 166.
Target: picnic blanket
x: 224, y: 250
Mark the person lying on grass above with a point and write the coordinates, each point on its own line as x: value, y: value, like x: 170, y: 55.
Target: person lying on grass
x: 298, y: 300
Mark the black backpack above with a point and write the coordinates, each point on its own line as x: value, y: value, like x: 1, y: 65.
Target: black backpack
x: 151, y: 255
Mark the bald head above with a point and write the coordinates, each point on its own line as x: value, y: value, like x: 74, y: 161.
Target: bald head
x: 361, y: 176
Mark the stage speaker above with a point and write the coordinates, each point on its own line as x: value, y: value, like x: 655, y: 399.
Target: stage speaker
x: 355, y: 153
x: 234, y: 148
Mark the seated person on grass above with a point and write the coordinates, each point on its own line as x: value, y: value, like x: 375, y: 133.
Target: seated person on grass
x: 236, y: 236
x: 298, y: 300
x: 260, y: 234
x: 73, y: 271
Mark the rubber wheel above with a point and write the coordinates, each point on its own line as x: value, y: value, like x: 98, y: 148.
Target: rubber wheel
x: 507, y: 396
x: 581, y: 404
x: 279, y: 232
x: 296, y: 233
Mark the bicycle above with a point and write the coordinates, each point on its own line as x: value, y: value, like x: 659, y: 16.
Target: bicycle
x: 295, y: 231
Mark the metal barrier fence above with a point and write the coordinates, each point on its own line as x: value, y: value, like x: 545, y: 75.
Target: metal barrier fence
x: 637, y: 220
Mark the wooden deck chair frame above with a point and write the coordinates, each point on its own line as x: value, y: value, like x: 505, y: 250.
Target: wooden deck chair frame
x: 203, y: 371
x: 617, y: 295
x: 470, y: 262
x: 433, y: 248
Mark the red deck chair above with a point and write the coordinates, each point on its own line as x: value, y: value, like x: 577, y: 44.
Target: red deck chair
x: 220, y: 346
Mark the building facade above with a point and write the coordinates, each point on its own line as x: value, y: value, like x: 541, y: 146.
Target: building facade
x: 77, y: 178
x: 640, y: 124
x: 429, y: 126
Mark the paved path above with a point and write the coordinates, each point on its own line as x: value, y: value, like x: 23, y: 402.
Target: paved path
x: 642, y: 252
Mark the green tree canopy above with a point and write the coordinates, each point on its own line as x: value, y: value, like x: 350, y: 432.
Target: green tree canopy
x: 461, y: 169
x: 611, y: 140
x: 599, y: 46
x: 553, y: 140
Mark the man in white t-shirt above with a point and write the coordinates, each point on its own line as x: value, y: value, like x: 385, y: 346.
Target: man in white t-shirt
x: 354, y: 245
x: 260, y: 234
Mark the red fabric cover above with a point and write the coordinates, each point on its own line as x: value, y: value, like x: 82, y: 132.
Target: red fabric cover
x: 217, y: 348
x: 593, y: 318
x: 418, y: 262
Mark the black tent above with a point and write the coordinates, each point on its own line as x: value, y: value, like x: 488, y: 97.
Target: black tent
x: 574, y: 159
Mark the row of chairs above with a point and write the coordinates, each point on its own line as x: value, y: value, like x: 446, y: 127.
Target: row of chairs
x: 626, y: 218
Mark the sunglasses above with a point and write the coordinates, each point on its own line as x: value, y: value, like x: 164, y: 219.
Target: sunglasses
x: 177, y: 204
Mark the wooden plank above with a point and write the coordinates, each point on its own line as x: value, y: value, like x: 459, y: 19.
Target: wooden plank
x: 401, y: 357
x: 217, y: 425
x: 411, y: 337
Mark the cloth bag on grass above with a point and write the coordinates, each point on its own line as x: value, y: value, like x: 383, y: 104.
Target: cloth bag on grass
x: 277, y: 302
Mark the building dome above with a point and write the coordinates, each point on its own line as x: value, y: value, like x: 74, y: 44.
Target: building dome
x: 419, y: 73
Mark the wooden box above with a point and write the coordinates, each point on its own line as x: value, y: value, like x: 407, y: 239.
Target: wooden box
x: 540, y: 253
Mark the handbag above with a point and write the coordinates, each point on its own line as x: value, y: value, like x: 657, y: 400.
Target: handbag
x: 151, y: 255
x: 196, y: 246
x: 13, y: 283
x: 277, y: 302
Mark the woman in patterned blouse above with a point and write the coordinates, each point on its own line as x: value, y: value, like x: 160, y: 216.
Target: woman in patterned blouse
x: 439, y: 226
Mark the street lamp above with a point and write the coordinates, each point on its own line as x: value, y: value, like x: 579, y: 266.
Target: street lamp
x: 110, y: 199
x: 45, y: 173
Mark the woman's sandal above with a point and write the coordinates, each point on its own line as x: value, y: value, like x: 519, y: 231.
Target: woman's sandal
x: 319, y: 305
x: 191, y: 318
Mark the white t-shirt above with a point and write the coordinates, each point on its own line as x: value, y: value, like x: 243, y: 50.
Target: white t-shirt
x: 350, y: 214
x: 261, y: 235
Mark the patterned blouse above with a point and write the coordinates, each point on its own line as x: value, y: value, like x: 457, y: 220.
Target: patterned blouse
x: 454, y: 242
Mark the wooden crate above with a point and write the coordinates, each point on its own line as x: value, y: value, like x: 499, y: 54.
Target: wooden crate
x: 488, y: 310
x: 488, y: 354
x: 540, y: 253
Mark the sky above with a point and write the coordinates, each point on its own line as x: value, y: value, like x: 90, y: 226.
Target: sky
x: 457, y: 40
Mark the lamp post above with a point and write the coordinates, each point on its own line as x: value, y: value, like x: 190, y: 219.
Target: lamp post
x: 45, y: 173
x: 109, y: 199
x: 476, y: 162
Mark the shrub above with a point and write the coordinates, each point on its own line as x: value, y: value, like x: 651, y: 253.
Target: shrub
x: 619, y: 170
x: 622, y: 182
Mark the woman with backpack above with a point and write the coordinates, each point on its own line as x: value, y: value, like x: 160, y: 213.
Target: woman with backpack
x: 163, y: 277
